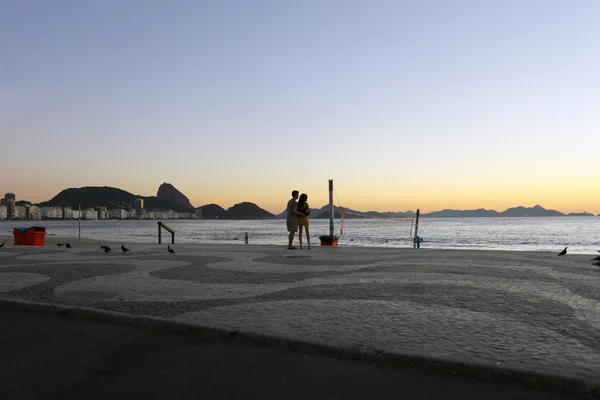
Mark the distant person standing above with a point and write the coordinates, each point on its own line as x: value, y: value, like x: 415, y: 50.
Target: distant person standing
x: 292, y: 218
x: 246, y: 238
x: 304, y: 210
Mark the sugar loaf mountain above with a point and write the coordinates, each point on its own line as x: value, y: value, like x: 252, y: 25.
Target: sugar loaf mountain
x: 169, y: 198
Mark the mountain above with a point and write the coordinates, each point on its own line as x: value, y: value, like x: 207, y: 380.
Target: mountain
x: 105, y: 196
x: 446, y: 213
x: 243, y: 210
x: 247, y: 210
x: 210, y: 211
x: 583, y: 214
x: 166, y: 191
x: 535, y: 211
x: 323, y: 212
x: 401, y: 214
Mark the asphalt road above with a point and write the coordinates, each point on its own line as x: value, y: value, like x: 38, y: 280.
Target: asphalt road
x: 52, y: 357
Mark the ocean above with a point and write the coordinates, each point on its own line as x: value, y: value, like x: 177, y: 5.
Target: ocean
x: 581, y: 234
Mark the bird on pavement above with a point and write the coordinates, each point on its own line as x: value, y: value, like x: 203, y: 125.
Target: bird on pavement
x: 104, y: 246
x: 170, y: 250
x: 596, y: 258
x: 59, y: 244
x: 562, y: 253
x: 68, y: 246
x: 125, y: 249
x: 106, y: 249
x: 2, y: 245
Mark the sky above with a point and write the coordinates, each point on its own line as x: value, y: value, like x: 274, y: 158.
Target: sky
x: 458, y: 104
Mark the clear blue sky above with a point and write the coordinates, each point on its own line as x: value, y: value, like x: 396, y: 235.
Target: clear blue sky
x: 405, y: 104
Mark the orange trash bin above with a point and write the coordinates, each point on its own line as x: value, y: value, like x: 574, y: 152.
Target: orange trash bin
x: 33, y: 236
x: 19, y: 234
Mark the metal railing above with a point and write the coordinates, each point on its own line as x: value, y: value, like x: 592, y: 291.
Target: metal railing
x: 164, y: 226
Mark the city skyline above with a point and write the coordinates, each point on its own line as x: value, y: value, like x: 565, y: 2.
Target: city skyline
x: 405, y: 105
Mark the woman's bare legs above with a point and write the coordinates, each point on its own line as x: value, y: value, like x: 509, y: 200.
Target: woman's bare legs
x: 307, y: 236
x: 300, y: 236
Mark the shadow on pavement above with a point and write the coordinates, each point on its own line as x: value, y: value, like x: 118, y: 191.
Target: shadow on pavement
x: 52, y: 357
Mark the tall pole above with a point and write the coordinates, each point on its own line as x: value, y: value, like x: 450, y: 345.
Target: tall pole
x: 416, y: 238
x: 417, y: 222
x: 79, y: 221
x: 331, y: 208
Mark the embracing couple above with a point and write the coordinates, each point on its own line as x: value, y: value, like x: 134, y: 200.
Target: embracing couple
x: 297, y: 216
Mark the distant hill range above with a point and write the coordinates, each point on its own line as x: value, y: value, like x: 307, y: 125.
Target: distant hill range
x: 520, y: 211
x: 169, y: 198
x: 323, y: 212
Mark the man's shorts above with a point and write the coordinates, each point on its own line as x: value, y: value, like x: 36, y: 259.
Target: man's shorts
x: 292, y: 224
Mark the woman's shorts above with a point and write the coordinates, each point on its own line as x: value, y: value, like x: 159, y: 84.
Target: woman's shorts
x: 303, y: 221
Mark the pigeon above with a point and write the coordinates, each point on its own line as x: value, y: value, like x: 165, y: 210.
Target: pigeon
x: 170, y: 250
x: 104, y: 246
x: 2, y: 245
x: 59, y: 244
x: 125, y: 249
x: 596, y: 258
x: 68, y: 246
x: 106, y: 249
x: 562, y: 253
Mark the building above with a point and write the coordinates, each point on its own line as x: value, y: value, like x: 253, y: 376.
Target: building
x: 139, y: 207
x: 34, y: 213
x: 51, y: 212
x: 102, y: 212
x: 9, y: 202
x: 90, y: 213
x: 20, y: 212
x: 117, y: 213
x: 67, y: 213
x: 2, y: 212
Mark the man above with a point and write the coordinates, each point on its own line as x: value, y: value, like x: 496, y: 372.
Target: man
x: 292, y: 218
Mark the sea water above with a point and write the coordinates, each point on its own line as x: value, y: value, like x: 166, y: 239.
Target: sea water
x: 581, y: 234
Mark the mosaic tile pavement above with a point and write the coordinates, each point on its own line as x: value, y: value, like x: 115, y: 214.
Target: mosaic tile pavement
x: 522, y: 311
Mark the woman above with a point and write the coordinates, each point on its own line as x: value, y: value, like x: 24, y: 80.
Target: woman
x: 303, y: 219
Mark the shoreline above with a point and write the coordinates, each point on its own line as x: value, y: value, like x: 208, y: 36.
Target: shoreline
x: 86, y: 241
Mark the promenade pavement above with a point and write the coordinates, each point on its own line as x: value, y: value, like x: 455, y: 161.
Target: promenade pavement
x: 521, y: 317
